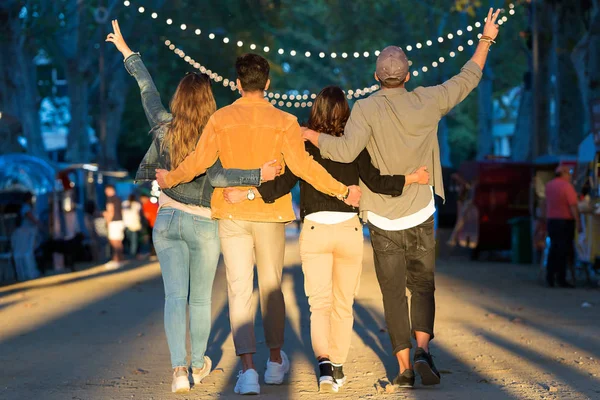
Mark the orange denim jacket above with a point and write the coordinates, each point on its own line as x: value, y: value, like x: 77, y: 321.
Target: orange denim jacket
x: 245, y: 135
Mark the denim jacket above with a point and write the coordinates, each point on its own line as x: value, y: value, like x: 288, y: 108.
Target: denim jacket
x: 199, y: 191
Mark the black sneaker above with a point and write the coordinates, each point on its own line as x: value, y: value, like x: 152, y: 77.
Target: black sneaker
x: 425, y: 368
x: 326, y: 382
x: 338, y: 375
x: 405, y: 379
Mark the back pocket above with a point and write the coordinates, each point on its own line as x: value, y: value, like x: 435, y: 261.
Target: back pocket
x: 205, y: 228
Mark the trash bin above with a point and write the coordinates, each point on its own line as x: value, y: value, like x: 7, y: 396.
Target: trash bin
x: 521, y: 240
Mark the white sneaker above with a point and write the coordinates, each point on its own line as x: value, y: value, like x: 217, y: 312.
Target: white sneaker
x: 181, y: 381
x: 200, y: 373
x: 276, y: 372
x: 247, y: 383
x: 112, y: 265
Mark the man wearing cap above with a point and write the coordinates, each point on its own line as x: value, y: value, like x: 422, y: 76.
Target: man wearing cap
x: 562, y: 214
x: 399, y: 129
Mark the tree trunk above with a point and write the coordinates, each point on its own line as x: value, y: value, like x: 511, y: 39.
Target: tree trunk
x: 18, y: 82
x: 567, y: 131
x: 485, y: 140
x: 586, y: 59
x: 116, y: 106
x: 78, y: 141
x: 521, y: 143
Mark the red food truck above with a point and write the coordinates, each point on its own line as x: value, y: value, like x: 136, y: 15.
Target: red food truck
x: 499, y: 193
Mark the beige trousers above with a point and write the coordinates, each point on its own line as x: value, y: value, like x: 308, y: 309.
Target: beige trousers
x: 332, y: 263
x: 241, y: 241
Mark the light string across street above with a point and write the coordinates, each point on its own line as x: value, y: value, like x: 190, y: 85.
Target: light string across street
x: 303, y: 98
x: 322, y: 54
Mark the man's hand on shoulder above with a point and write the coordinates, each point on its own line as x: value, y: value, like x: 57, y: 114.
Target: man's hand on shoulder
x: 311, y: 136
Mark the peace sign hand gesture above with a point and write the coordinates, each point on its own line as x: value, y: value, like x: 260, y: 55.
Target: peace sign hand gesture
x: 491, y: 27
x: 117, y: 39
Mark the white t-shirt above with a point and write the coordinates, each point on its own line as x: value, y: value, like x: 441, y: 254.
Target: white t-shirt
x: 131, y: 215
x: 400, y: 224
x: 330, y: 217
x: 166, y: 201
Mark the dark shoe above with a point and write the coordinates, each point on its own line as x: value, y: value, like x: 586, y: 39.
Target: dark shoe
x: 338, y: 375
x: 425, y: 368
x: 405, y: 379
x: 326, y: 382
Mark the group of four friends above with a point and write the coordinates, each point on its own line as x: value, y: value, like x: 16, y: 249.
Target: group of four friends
x: 384, y: 154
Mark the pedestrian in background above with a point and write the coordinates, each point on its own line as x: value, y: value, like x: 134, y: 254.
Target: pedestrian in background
x: 150, y: 211
x: 562, y: 214
x: 23, y: 241
x: 116, y: 228
x: 132, y: 218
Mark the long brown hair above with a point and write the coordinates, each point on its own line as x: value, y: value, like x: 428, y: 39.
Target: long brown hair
x: 191, y: 106
x: 330, y: 112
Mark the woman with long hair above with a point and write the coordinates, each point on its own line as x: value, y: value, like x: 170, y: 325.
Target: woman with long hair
x: 331, y: 241
x: 185, y: 236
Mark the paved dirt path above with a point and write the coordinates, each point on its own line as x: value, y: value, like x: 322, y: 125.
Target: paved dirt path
x: 96, y: 334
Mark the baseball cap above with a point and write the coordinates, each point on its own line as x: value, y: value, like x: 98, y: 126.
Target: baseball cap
x: 392, y: 63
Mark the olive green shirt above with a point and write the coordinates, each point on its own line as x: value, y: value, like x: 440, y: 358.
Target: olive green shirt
x: 399, y: 129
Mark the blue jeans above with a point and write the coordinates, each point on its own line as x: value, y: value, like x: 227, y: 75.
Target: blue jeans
x: 133, y: 239
x: 188, y: 251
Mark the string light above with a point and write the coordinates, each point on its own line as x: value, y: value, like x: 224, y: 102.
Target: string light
x: 356, y: 54
x: 197, y: 31
x: 271, y: 95
x: 357, y: 93
x: 154, y: 15
x: 350, y: 94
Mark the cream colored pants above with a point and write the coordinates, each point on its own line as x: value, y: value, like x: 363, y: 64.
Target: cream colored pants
x: 332, y: 263
x: 240, y: 242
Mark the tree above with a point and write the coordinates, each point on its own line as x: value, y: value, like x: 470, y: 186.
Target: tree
x: 18, y: 83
